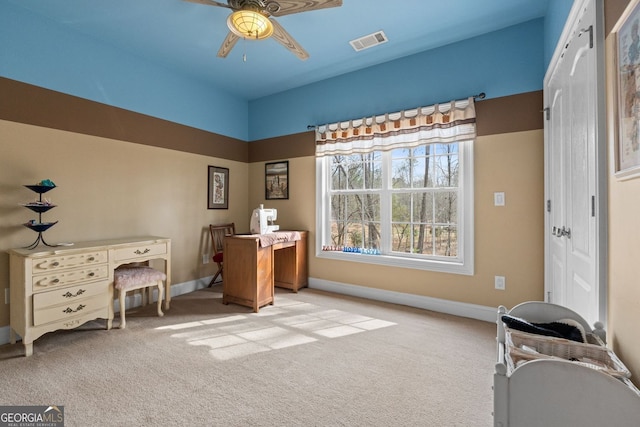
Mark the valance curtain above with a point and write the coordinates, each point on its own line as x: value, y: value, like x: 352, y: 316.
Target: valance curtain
x: 440, y: 123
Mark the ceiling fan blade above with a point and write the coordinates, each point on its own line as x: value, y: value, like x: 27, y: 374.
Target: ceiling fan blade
x: 287, y: 7
x: 209, y: 3
x: 287, y: 41
x: 228, y: 44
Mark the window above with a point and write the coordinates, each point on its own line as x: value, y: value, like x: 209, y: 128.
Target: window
x: 424, y: 200
x: 407, y: 202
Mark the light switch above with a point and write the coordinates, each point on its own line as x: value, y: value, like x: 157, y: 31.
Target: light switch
x: 498, y: 199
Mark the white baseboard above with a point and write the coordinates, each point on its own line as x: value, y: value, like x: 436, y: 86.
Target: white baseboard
x: 473, y: 311
x: 135, y: 300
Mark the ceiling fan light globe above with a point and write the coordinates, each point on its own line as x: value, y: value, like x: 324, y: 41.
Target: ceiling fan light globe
x: 250, y: 24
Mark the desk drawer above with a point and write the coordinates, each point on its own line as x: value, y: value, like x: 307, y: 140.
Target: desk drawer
x: 62, y: 279
x: 60, y: 262
x: 69, y: 295
x: 66, y: 311
x: 144, y: 252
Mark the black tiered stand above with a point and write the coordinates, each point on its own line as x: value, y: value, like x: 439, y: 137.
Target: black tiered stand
x: 39, y: 208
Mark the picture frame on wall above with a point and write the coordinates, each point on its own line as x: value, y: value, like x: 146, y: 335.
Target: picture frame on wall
x: 626, y: 152
x: 276, y: 180
x: 218, y: 188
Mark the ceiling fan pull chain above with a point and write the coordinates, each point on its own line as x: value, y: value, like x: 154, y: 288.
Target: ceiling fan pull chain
x: 244, y: 50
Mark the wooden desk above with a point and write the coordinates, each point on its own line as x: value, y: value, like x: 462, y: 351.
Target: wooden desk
x: 63, y: 287
x: 251, y: 271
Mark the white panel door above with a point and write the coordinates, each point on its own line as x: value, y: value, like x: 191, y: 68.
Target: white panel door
x: 573, y: 94
x: 557, y: 246
x: 580, y: 174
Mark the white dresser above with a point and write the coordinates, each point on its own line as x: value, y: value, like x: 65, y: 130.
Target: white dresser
x: 63, y: 287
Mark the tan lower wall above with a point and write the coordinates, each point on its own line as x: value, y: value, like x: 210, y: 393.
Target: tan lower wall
x: 108, y: 189
x: 624, y: 233
x: 298, y: 212
x: 624, y: 285
x: 509, y: 240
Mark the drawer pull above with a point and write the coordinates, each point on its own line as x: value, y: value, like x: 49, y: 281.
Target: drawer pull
x: 69, y: 310
x: 92, y: 274
x: 55, y: 264
x: 91, y: 258
x: 55, y: 281
x: 70, y: 295
x: 137, y: 251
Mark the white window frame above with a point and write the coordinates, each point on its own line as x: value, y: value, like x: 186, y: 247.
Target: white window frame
x: 464, y: 262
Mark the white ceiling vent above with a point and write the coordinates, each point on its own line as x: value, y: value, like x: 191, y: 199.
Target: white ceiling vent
x: 371, y: 40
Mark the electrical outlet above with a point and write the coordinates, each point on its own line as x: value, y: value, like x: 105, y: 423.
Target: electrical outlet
x: 6, y: 295
x: 500, y: 283
x: 205, y: 258
x: 498, y: 198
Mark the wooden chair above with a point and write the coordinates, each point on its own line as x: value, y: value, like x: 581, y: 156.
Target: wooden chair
x: 217, y: 244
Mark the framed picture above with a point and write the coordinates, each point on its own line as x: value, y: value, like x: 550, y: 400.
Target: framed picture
x: 276, y: 180
x: 218, y: 188
x: 627, y: 143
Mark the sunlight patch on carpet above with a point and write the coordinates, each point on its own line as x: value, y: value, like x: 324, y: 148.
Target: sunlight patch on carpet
x: 372, y: 324
x: 220, y: 341
x: 263, y: 334
x: 315, y: 325
x: 289, y: 340
x: 236, y: 351
x: 338, y: 331
x: 187, y: 325
x: 287, y: 324
x: 223, y: 319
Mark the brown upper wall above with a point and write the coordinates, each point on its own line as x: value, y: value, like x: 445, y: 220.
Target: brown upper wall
x: 25, y: 103
x: 507, y: 114
x: 612, y: 11
x: 494, y: 116
x: 283, y: 147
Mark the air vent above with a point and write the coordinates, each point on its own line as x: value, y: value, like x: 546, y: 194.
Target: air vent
x: 371, y: 40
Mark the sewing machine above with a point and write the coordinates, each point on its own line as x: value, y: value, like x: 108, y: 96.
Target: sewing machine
x: 262, y: 220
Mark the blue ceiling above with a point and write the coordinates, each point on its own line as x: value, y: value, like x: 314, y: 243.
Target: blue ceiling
x: 185, y: 37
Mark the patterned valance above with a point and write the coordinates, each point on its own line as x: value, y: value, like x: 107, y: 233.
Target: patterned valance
x: 440, y: 123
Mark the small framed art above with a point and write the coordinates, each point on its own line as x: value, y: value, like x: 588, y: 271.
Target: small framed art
x: 276, y: 179
x: 218, y: 188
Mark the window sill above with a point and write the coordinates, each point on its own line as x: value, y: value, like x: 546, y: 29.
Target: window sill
x: 401, y: 262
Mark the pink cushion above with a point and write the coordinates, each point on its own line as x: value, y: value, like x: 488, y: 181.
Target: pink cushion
x: 136, y: 277
x: 218, y: 257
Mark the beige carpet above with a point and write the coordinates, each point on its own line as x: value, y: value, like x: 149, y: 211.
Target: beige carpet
x: 312, y: 359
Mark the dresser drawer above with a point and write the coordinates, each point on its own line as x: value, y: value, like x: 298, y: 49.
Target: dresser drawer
x: 69, y: 295
x: 61, y: 262
x: 63, y: 279
x: 66, y: 311
x: 131, y: 253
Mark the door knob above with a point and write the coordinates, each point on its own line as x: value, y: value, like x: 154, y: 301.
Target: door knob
x: 564, y: 232
x: 561, y: 232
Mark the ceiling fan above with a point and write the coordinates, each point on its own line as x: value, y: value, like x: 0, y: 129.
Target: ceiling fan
x: 252, y: 20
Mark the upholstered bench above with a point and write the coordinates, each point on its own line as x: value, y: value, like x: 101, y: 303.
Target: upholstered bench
x: 129, y: 278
